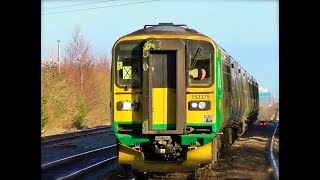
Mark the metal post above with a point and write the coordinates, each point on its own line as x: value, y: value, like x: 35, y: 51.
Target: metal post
x: 59, y: 56
x: 52, y: 58
x: 81, y: 71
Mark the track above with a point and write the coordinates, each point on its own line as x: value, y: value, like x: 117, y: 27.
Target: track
x: 84, y: 165
x: 49, y: 140
x: 65, y: 145
x: 86, y: 154
x: 248, y: 158
x: 274, y: 153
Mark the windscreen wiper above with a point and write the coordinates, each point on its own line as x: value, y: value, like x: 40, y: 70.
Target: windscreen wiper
x: 194, y: 57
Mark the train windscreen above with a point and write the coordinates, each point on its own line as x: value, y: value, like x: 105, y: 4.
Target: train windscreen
x: 128, y: 57
x: 199, y: 63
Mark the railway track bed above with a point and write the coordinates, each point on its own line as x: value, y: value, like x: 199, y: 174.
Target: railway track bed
x: 80, y: 165
x: 86, y: 155
x: 64, y: 145
x: 248, y: 158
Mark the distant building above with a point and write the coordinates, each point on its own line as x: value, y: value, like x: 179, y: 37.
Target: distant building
x: 267, y: 105
x: 265, y: 97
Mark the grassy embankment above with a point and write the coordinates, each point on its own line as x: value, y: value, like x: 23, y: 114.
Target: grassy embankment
x: 66, y: 105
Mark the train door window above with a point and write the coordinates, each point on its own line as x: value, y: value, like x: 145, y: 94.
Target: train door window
x: 226, y: 74
x: 199, y: 63
x: 164, y: 69
x: 252, y: 90
x: 129, y: 63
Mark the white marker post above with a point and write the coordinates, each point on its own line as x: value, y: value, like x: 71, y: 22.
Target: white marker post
x: 59, y: 56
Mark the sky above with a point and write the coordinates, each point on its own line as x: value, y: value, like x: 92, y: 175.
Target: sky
x: 247, y: 29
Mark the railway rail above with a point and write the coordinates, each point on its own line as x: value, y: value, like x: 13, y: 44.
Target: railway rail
x: 78, y: 154
x: 86, y: 164
x: 54, y: 139
x: 249, y: 157
x: 275, y: 165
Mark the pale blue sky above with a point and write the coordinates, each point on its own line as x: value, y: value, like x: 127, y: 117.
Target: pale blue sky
x: 248, y: 30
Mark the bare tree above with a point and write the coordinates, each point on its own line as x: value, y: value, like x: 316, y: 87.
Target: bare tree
x: 79, y: 54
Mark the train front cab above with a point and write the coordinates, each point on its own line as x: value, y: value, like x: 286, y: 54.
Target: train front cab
x: 154, y: 106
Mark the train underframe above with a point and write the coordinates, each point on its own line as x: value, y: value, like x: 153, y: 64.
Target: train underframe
x: 164, y: 153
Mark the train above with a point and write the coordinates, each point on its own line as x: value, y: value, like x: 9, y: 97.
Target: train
x: 178, y: 99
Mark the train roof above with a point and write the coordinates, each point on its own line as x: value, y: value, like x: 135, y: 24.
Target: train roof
x: 167, y: 28
x: 182, y: 29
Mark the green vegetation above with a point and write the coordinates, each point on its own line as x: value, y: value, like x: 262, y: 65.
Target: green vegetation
x: 44, y: 117
x: 79, y: 119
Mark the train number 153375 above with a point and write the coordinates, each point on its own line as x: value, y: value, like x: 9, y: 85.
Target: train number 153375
x: 200, y: 96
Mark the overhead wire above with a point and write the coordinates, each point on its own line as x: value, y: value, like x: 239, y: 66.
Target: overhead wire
x: 78, y: 10
x: 56, y: 7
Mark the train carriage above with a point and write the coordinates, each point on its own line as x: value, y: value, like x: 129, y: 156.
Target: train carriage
x: 178, y: 100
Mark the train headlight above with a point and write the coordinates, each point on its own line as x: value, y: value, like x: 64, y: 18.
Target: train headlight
x: 127, y: 106
x: 194, y: 105
x: 199, y: 105
x: 202, y: 105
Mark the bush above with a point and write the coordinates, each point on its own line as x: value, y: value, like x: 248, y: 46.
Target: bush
x: 80, y: 117
x: 44, y: 116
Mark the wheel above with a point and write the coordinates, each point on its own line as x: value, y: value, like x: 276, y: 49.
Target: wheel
x: 227, y: 140
x: 214, y: 151
x: 244, y: 127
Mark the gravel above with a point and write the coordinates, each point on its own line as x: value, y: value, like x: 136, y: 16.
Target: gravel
x: 75, y: 146
x: 248, y: 157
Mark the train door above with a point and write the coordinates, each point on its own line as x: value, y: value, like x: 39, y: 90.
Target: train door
x: 164, y: 87
x: 241, y: 93
x: 163, y: 103
x: 235, y: 96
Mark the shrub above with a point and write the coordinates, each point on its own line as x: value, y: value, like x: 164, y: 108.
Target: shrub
x: 80, y: 117
x: 44, y: 116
